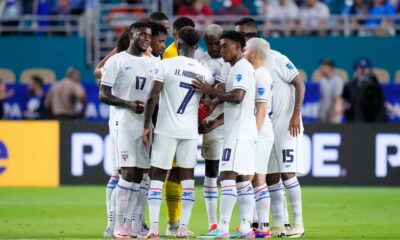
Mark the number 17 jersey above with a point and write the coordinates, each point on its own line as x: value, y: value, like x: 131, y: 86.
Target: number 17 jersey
x: 179, y: 103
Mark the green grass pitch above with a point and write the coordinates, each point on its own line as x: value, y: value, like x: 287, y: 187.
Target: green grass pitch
x: 79, y: 212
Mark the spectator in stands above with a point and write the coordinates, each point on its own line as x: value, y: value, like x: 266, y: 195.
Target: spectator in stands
x: 67, y: 98
x: 10, y: 12
x: 362, y: 98
x: 380, y: 8
x: 4, y: 94
x: 314, y: 17
x: 34, y: 100
x: 282, y: 14
x: 233, y: 7
x: 359, y: 8
x: 197, y: 9
x: 123, y: 15
x: 330, y: 91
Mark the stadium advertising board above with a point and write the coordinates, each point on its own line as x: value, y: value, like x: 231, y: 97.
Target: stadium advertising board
x: 348, y: 154
x: 29, y: 154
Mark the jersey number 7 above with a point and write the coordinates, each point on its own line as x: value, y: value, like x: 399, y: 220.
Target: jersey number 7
x: 187, y: 97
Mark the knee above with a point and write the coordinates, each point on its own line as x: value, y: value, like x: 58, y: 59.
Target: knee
x: 287, y: 176
x: 273, y: 178
x: 212, y: 169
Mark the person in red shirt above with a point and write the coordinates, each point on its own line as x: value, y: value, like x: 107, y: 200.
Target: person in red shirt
x: 198, y: 9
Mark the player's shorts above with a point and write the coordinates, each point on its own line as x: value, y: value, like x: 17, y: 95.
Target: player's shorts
x: 130, y: 152
x: 113, y: 154
x: 264, y: 146
x: 212, y: 144
x: 286, y: 154
x: 239, y: 156
x: 164, y: 148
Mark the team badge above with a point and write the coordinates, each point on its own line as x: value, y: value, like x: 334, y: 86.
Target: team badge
x: 124, y: 156
x: 239, y: 77
x: 261, y: 90
x: 290, y: 66
x: 156, y: 70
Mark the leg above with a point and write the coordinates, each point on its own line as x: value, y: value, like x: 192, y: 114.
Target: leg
x: 263, y: 201
x: 173, y: 192
x: 187, y: 200
x: 228, y: 197
x: 294, y: 192
x: 136, y: 176
x: 246, y: 203
x: 276, y: 193
x: 210, y: 190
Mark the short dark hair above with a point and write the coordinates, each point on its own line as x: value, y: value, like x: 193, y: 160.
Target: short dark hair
x: 138, y: 25
x: 234, y: 36
x: 157, y: 29
x: 38, y: 80
x: 248, y: 21
x: 327, y: 62
x: 158, y: 16
x: 182, y: 22
x: 189, y: 35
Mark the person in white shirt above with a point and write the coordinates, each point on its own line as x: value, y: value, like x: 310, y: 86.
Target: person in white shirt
x: 256, y: 52
x: 124, y: 84
x: 240, y: 136
x: 177, y: 127
x: 282, y: 14
x: 313, y: 17
x: 286, y: 157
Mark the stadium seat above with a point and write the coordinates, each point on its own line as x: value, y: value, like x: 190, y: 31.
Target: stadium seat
x: 382, y: 75
x: 303, y: 74
x: 7, y: 75
x: 397, y: 77
x: 48, y: 75
x: 342, y: 74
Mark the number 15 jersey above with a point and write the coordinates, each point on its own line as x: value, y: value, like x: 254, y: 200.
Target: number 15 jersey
x: 179, y: 103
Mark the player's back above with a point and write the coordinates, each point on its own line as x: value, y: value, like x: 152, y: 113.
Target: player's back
x: 239, y: 119
x: 178, y: 104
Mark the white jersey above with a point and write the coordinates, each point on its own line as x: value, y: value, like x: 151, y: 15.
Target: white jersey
x: 130, y: 79
x: 239, y: 119
x: 264, y: 91
x: 282, y: 72
x: 179, y: 103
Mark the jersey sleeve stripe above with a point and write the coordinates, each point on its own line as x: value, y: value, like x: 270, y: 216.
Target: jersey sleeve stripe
x: 106, y: 83
x: 293, y: 76
x: 240, y: 87
x: 158, y: 79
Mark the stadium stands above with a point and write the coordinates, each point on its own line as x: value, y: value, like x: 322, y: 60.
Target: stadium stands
x: 382, y: 75
x: 316, y: 76
x: 397, y: 77
x: 7, y: 75
x: 47, y: 75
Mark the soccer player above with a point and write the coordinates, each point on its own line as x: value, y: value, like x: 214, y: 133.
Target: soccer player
x: 160, y: 18
x: 176, y: 129
x: 288, y: 94
x: 181, y: 22
x: 213, y: 140
x: 240, y: 136
x: 124, y: 84
x: 256, y: 52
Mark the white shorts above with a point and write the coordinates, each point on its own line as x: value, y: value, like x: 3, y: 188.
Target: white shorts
x: 212, y: 144
x: 130, y: 152
x: 286, y: 154
x: 263, y: 151
x: 111, y: 148
x: 239, y: 156
x: 164, y: 148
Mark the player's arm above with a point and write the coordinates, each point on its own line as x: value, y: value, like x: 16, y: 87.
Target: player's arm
x: 261, y: 112
x: 107, y: 97
x: 234, y: 96
x: 295, y: 121
x: 97, y: 70
x: 149, y: 109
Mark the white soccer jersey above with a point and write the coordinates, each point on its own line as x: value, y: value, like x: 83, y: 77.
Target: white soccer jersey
x: 239, y: 119
x: 282, y: 72
x: 264, y: 90
x: 130, y: 79
x: 179, y: 103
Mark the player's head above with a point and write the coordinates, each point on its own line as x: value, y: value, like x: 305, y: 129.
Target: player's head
x: 35, y: 83
x: 247, y: 27
x: 140, y: 36
x: 256, y: 50
x: 73, y: 74
x: 180, y: 23
x: 327, y: 67
x: 232, y: 43
x: 188, y: 40
x: 158, y: 38
x: 212, y: 38
x: 160, y: 18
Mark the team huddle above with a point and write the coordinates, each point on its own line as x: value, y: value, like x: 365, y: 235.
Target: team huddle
x: 245, y: 99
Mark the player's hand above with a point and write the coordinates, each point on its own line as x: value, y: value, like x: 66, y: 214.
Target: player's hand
x: 146, y: 136
x: 201, y: 86
x: 210, y: 105
x: 205, y: 126
x: 136, y: 106
x: 294, y: 124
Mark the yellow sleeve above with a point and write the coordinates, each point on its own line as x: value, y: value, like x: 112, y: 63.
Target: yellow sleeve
x: 170, y: 52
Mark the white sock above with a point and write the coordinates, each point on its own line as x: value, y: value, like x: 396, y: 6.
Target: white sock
x: 140, y: 210
x: 294, y: 191
x: 285, y: 210
x: 122, y: 196
x: 132, y: 204
x: 154, y: 200
x: 276, y: 194
x: 228, y: 200
x: 210, y: 190
x: 113, y: 208
x: 112, y: 183
x: 187, y: 201
x: 255, y: 215
x: 245, y: 197
x: 263, y: 202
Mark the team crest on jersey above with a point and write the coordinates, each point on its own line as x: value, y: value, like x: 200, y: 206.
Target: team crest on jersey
x: 124, y: 156
x: 261, y: 90
x: 290, y: 66
x: 156, y: 70
x: 239, y: 77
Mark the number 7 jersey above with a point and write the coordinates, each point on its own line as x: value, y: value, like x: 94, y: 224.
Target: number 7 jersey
x: 179, y: 103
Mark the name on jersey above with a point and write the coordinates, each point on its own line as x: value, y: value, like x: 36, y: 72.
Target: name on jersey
x: 189, y: 74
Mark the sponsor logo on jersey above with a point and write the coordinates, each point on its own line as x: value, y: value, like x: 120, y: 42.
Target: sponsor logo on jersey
x: 261, y: 90
x: 239, y: 77
x: 290, y: 66
x: 127, y: 68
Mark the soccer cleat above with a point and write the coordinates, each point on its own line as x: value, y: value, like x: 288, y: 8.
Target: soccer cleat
x: 143, y: 231
x: 240, y: 234
x: 215, y: 234
x: 108, y: 233
x: 183, y: 232
x: 213, y: 227
x: 278, y: 231
x: 296, y: 231
x: 120, y: 232
x: 288, y: 227
x: 262, y: 233
x: 172, y: 229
